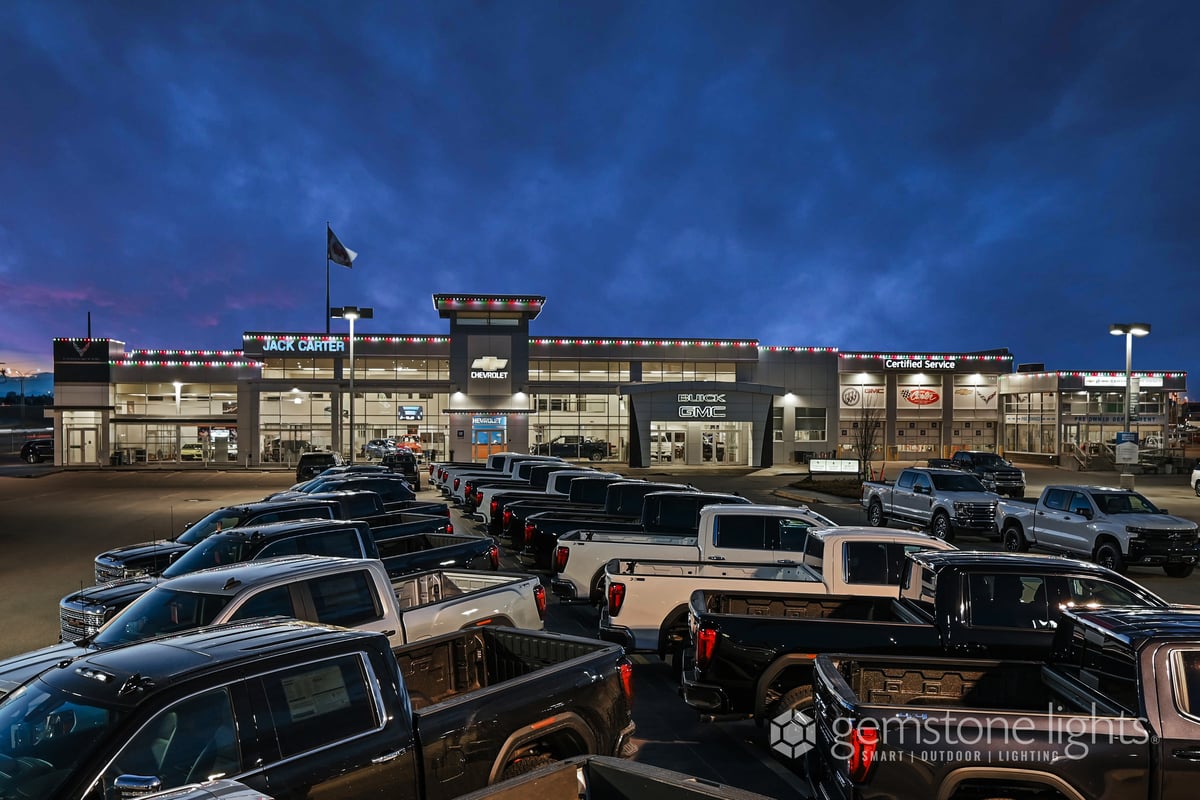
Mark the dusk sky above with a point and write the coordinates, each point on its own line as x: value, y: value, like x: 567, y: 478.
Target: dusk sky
x: 910, y: 177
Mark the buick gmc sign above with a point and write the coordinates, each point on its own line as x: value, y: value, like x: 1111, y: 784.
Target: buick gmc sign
x: 701, y: 406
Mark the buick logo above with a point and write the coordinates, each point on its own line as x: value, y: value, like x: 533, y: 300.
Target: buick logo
x: 851, y: 397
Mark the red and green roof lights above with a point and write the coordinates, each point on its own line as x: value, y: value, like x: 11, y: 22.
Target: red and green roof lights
x: 337, y: 338
x: 1077, y: 374
x: 648, y: 342
x: 131, y: 362
x: 186, y: 353
x: 918, y: 357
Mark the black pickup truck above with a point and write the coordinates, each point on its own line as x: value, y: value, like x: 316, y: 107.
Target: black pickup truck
x: 508, y: 510
x: 754, y: 652
x: 1114, y: 713
x: 414, y: 542
x: 529, y: 476
x: 996, y: 473
x: 151, y: 558
x: 624, y: 509
x: 301, y: 711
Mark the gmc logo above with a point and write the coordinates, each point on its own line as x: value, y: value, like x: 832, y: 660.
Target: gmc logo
x: 698, y: 412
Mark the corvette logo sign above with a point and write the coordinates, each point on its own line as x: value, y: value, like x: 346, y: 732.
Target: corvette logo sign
x: 920, y: 397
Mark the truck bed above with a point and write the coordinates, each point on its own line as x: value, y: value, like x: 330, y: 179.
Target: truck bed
x: 985, y: 685
x: 471, y: 660
x: 431, y: 587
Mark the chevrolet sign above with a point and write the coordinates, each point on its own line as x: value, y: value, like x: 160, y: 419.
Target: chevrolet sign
x: 489, y: 367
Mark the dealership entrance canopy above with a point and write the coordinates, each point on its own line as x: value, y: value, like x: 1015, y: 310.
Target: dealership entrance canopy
x: 490, y: 384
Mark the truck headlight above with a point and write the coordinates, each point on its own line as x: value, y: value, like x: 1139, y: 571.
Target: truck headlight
x: 1133, y: 532
x: 959, y: 507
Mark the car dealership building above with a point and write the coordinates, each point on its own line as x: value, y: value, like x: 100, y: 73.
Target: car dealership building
x: 489, y: 384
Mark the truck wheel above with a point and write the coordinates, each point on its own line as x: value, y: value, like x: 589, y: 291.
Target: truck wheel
x: 596, y: 455
x: 1014, y: 540
x: 941, y: 528
x: 798, y: 698
x: 1109, y: 555
x: 1178, y: 570
x: 1197, y: 488
x: 523, y: 766
x: 875, y: 514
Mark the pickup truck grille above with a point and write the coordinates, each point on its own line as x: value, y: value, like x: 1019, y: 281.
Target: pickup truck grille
x: 107, y: 572
x: 977, y: 515
x: 1174, y: 537
x: 76, y: 622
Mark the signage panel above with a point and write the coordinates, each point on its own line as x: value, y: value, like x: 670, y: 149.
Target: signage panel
x: 980, y: 398
x: 1155, y: 382
x: 489, y: 366
x: 918, y: 397
x: 920, y: 364
x: 862, y: 396
x: 701, y: 405
x: 303, y: 344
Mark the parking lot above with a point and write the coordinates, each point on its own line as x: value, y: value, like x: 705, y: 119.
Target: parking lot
x: 55, y: 522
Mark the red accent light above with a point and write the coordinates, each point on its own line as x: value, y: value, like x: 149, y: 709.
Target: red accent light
x: 706, y: 642
x: 616, y: 598
x: 449, y: 527
x: 625, y: 668
x: 863, y: 743
x: 539, y: 599
x: 561, y: 554
x: 494, y: 555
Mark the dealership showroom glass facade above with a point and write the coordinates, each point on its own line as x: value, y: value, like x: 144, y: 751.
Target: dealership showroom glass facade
x: 489, y: 386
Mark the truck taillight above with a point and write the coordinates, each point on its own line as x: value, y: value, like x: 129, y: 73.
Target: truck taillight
x: 449, y: 527
x: 506, y: 518
x: 494, y: 506
x: 478, y: 499
x: 494, y: 555
x: 616, y: 598
x: 431, y: 469
x: 706, y: 642
x: 626, y: 671
x: 529, y: 529
x: 863, y: 742
x: 539, y: 599
x: 561, y: 554
x: 456, y: 482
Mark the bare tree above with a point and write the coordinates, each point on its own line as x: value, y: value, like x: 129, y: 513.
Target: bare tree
x: 866, y: 430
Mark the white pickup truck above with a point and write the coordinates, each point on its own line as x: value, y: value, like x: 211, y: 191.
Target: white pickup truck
x: 349, y: 592
x: 646, y: 607
x: 1114, y: 527
x: 749, y: 533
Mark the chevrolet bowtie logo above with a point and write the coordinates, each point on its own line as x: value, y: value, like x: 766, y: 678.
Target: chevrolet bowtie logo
x: 489, y: 363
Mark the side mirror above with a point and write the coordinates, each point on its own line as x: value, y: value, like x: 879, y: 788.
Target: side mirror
x: 187, y: 525
x: 1163, y: 511
x: 1086, y: 513
x: 128, y: 787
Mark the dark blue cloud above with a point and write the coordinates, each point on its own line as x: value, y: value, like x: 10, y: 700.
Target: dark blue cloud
x: 907, y: 176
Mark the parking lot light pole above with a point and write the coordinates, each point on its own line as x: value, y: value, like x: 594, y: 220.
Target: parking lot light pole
x: 1129, y: 330
x: 352, y: 313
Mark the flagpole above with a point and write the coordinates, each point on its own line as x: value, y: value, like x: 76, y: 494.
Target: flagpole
x: 327, y: 231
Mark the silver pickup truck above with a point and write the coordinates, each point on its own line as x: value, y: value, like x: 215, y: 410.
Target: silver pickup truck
x: 944, y: 501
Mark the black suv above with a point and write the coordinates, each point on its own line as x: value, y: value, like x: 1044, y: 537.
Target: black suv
x: 310, y: 465
x: 404, y: 462
x: 37, y: 450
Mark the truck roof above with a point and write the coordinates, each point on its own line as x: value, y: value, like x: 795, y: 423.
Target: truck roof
x: 231, y: 579
x: 934, y: 470
x: 127, y: 675
x: 1136, y: 626
x: 1089, y: 488
x: 853, y: 531
x: 275, y: 530
x: 753, y: 508
x: 1007, y: 562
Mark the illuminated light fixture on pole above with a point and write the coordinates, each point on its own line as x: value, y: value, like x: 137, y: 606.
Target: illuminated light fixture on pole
x: 1129, y: 330
x: 352, y: 313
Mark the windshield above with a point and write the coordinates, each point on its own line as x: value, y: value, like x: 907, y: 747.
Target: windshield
x: 160, y: 611
x: 1124, y: 503
x: 211, y: 553
x: 991, y: 460
x: 220, y: 520
x: 957, y: 483
x: 47, y: 733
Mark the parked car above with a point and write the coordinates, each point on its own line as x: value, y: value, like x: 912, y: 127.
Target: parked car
x: 403, y: 461
x: 35, y: 451
x: 310, y: 465
x: 378, y: 448
x: 192, y: 451
x: 1196, y: 477
x: 945, y: 501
